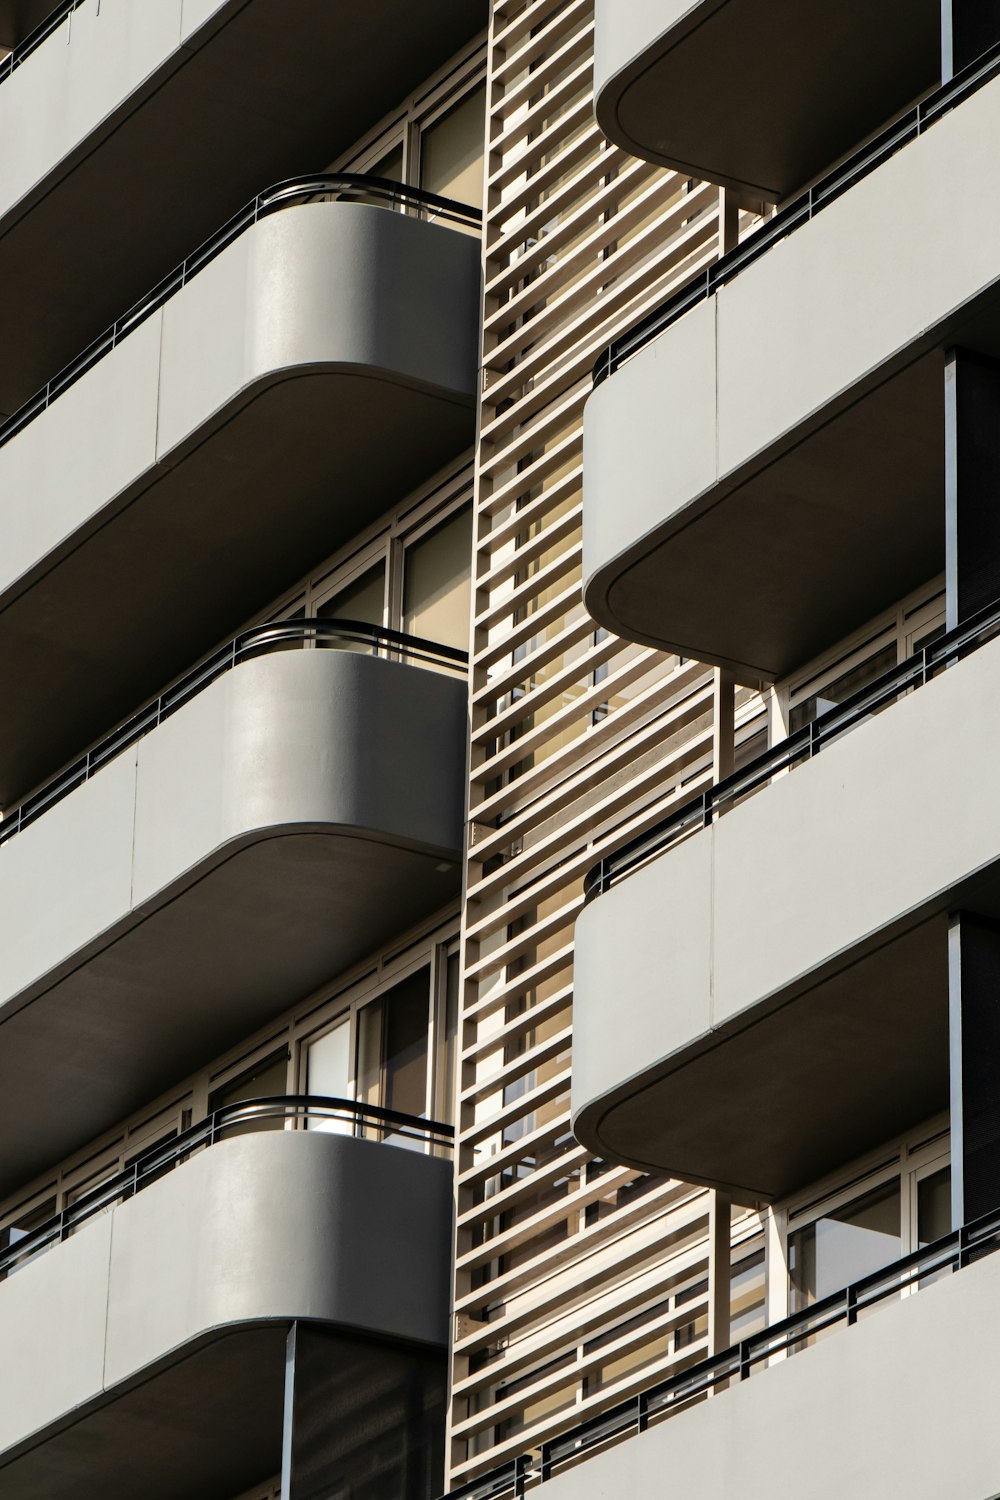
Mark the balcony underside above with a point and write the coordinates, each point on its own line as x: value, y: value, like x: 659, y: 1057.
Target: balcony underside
x: 241, y: 457
x: 792, y: 1012
x: 266, y: 837
x: 754, y: 94
x: 172, y: 1369
x: 240, y: 95
x: 752, y: 511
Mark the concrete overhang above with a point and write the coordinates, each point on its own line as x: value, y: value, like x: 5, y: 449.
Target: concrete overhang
x: 790, y: 1011
x: 285, y: 822
x: 18, y: 18
x: 846, y: 1413
x: 166, y: 1317
x: 135, y: 129
x: 757, y: 95
x: 316, y: 371
x: 768, y: 472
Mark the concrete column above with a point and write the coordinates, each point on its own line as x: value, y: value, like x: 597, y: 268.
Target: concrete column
x: 968, y: 28
x: 719, y: 1271
x: 974, y: 1026
x: 723, y: 726
x: 972, y: 483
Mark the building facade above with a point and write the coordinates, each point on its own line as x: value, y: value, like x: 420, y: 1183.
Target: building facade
x: 498, y: 859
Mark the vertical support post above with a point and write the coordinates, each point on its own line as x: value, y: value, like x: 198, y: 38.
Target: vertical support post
x: 288, y: 1414
x: 947, y: 42
x: 729, y: 222
x: 723, y: 725
x: 974, y: 1040
x: 955, y: 1070
x: 719, y: 1271
x: 971, y: 483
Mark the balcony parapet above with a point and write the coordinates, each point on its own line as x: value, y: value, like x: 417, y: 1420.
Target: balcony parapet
x: 793, y: 1012
x: 880, y: 1370
x: 174, y: 1295
x: 751, y: 523
x: 752, y: 94
x: 249, y: 836
x: 178, y: 108
x: 301, y: 371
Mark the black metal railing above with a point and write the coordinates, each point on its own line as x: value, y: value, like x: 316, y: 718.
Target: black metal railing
x: 292, y: 1111
x: 701, y: 811
x: 346, y: 186
x: 34, y: 39
x: 780, y: 1341
x: 799, y: 211
x: 281, y: 635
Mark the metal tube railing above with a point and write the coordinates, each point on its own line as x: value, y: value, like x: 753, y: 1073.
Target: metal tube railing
x: 782, y: 1340
x: 348, y: 186
x: 799, y: 211
x: 701, y: 811
x: 291, y: 1110
x: 280, y: 635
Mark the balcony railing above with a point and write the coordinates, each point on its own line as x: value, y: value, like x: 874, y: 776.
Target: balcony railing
x: 293, y: 1111
x: 700, y: 812
x: 326, y: 187
x: 280, y: 635
x: 782, y: 1340
x: 36, y: 37
x: 799, y: 211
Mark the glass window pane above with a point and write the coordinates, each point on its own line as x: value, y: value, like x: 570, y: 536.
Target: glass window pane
x: 328, y: 1074
x: 21, y: 1225
x: 933, y: 1207
x: 392, y: 1047
x: 837, y: 691
x: 451, y: 151
x: 436, y: 583
x: 267, y: 1079
x: 844, y: 1245
x: 363, y: 601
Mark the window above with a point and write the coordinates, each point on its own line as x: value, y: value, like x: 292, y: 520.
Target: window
x: 437, y: 584
x: 266, y: 1079
x: 23, y: 1223
x: 434, y: 141
x: 860, y: 660
x: 877, y: 1217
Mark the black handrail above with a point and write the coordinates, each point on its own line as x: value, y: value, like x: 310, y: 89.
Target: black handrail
x: 279, y: 635
x: 701, y: 811
x: 39, y: 34
x: 296, y: 190
x: 953, y: 1252
x: 298, y: 1110
x: 799, y: 211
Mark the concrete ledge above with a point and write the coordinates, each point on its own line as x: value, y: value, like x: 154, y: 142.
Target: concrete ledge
x: 751, y: 520
x: 791, y: 1012
x: 848, y: 1417
x: 177, y: 1301
x: 754, y: 94
x: 315, y: 372
x: 183, y: 109
x: 287, y: 821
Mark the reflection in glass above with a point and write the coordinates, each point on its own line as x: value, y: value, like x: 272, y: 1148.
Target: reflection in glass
x: 842, y: 687
x: 328, y: 1074
x: 451, y: 151
x: 844, y: 1245
x: 933, y: 1207
x: 436, y: 583
x: 392, y: 1047
x: 268, y: 1079
x: 363, y: 600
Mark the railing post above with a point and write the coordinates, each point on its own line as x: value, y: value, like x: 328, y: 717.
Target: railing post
x: 706, y: 809
x: 641, y: 1412
x: 745, y: 1365
x: 520, y: 1472
x: 851, y: 1298
x: 545, y: 1466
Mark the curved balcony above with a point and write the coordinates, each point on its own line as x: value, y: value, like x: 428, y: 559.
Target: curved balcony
x: 166, y: 1296
x: 764, y: 455
x: 264, y: 824
x: 179, y: 108
x: 304, y: 369
x: 754, y: 94
x: 791, y: 1010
